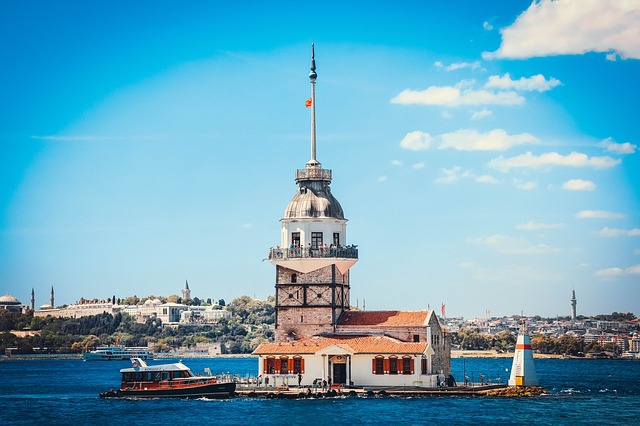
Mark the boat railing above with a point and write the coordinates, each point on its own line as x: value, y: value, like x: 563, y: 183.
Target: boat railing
x: 340, y: 252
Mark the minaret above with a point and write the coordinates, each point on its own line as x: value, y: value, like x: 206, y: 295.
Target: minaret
x: 52, y: 300
x: 186, y: 293
x: 574, y: 303
x: 312, y: 261
x: 33, y: 299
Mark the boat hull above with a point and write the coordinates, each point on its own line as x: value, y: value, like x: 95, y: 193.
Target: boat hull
x: 210, y: 391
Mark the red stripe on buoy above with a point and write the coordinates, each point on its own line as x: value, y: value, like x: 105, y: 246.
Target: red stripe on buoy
x: 523, y: 346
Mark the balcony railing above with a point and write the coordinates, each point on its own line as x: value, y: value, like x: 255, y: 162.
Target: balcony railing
x: 313, y: 173
x: 341, y: 252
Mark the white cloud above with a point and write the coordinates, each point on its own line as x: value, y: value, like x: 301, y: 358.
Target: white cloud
x: 396, y: 163
x: 453, y: 175
x: 609, y: 273
x: 575, y: 159
x: 533, y: 226
x: 525, y: 185
x: 598, y: 214
x: 456, y: 96
x: 536, y: 82
x: 617, y: 272
x: 466, y: 140
x: 564, y: 27
x: 382, y: 179
x: 619, y: 148
x: 479, y: 115
x: 579, y: 185
x: 416, y: 141
x: 418, y: 166
x: 486, y: 179
x: 472, y: 140
x: 446, y: 115
x: 458, y: 65
x: 487, y: 26
x: 615, y: 232
x: 510, y: 245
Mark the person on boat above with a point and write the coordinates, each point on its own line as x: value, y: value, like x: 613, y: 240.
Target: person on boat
x: 299, y: 379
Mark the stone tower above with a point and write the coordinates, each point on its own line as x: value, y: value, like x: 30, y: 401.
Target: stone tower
x: 313, y: 260
x: 186, y: 292
x: 574, y: 303
x: 33, y: 299
x: 52, y: 298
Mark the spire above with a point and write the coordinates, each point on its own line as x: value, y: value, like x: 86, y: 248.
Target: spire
x: 52, y: 299
x: 33, y: 299
x: 313, y: 76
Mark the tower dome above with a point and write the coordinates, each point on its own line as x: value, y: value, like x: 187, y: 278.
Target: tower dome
x: 313, y: 199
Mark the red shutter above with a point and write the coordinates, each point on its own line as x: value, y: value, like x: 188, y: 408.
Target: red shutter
x: 302, y: 365
x: 290, y: 365
x: 373, y: 366
x: 386, y: 366
x: 265, y: 368
x: 412, y: 369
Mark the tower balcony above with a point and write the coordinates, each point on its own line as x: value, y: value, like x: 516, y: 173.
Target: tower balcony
x: 309, y: 259
x: 313, y: 173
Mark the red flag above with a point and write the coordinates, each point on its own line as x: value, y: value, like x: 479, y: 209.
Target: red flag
x: 442, y: 309
x: 308, y: 102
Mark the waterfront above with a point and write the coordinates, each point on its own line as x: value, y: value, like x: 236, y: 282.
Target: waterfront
x: 59, y: 392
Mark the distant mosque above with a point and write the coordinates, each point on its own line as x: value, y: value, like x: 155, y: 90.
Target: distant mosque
x: 317, y: 334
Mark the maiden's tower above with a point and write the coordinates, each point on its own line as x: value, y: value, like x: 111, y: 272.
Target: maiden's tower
x: 317, y: 333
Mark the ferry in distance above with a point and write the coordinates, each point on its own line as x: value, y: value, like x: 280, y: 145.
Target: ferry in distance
x: 111, y: 353
x: 168, y: 381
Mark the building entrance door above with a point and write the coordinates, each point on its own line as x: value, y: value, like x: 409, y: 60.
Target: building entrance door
x: 339, y: 374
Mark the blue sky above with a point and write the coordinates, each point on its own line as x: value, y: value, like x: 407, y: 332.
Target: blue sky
x: 485, y: 153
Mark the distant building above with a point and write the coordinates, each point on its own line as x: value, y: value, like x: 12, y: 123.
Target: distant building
x: 10, y: 303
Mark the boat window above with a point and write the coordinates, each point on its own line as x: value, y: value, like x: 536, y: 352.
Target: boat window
x: 156, y: 376
x: 165, y: 375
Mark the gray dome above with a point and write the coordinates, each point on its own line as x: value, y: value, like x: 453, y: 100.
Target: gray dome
x: 313, y: 199
x: 9, y: 300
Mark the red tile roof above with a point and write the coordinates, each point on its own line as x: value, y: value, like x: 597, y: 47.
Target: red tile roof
x: 384, y: 318
x: 353, y: 344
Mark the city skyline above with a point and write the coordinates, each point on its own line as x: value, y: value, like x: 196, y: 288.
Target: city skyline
x: 485, y: 159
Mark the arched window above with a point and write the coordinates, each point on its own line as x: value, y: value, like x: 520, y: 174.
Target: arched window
x: 393, y: 365
x: 378, y: 365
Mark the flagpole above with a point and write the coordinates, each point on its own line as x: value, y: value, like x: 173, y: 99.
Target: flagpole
x: 312, y: 77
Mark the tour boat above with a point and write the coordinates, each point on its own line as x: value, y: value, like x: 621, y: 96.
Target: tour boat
x: 110, y: 353
x: 168, y: 381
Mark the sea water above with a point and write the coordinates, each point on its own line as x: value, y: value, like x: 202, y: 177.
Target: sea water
x: 66, y: 392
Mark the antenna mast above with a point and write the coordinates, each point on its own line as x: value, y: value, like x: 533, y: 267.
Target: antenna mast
x: 312, y: 77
